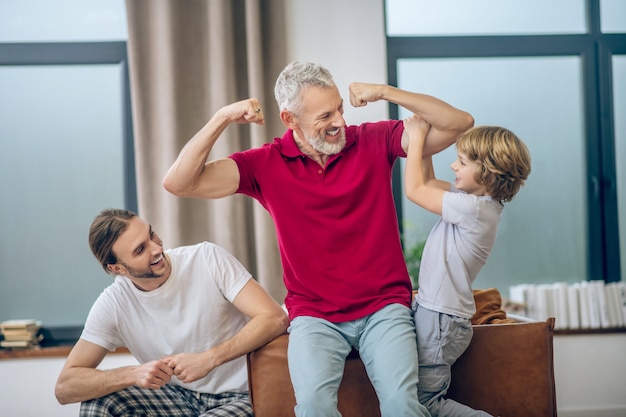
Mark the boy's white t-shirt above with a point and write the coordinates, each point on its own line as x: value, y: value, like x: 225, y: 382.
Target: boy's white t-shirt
x: 190, y: 312
x: 456, y: 249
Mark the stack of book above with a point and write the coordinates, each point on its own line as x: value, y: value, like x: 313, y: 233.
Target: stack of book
x: 581, y: 305
x: 20, y: 334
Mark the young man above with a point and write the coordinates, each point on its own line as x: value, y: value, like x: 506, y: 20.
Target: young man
x: 491, y: 167
x: 188, y: 315
x: 327, y: 187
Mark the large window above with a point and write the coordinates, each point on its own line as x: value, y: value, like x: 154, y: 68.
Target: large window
x: 549, y: 73
x: 67, y: 153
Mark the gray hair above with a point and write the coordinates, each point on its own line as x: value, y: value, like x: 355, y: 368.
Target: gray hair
x: 296, y: 77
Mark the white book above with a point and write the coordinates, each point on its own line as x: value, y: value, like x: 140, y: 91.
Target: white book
x: 516, y: 293
x: 544, y: 302
x: 585, y: 308
x: 19, y: 324
x: 603, y: 307
x: 621, y: 291
x: 530, y: 299
x: 613, y: 299
x: 573, y: 306
x: 560, y: 305
x: 519, y: 294
x: 593, y: 301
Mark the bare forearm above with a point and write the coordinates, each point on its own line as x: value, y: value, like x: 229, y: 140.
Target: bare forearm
x: 446, y: 122
x: 427, y: 168
x: 414, y: 172
x: 82, y: 384
x: 419, y: 173
x: 257, y: 332
x: 189, y: 366
x: 439, y: 114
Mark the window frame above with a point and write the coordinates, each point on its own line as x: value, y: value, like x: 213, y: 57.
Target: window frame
x: 595, y: 51
x: 82, y: 53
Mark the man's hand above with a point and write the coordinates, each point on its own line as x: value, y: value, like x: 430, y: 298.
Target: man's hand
x: 188, y: 367
x: 244, y: 111
x: 153, y: 374
x: 362, y: 93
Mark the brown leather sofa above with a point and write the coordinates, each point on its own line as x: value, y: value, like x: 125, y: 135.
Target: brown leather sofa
x: 507, y: 371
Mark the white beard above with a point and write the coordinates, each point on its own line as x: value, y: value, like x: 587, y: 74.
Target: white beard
x: 319, y: 144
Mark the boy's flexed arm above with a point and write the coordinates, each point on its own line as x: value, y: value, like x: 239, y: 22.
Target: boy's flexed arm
x: 447, y: 123
x: 420, y: 184
x: 192, y: 175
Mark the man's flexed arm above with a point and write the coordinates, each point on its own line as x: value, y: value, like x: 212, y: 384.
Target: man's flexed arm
x: 191, y: 175
x: 446, y: 122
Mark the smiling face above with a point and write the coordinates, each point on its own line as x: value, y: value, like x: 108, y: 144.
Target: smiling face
x: 320, y: 120
x: 465, y: 171
x: 140, y: 256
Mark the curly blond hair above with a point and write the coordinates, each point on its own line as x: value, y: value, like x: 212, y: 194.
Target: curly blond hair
x: 503, y: 160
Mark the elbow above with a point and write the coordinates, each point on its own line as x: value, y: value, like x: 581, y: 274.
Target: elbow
x: 169, y: 186
x: 409, y: 190
x: 281, y: 323
x: 411, y: 197
x: 284, y: 325
x: 469, y: 121
x: 414, y: 194
x: 173, y: 187
x: 60, y: 394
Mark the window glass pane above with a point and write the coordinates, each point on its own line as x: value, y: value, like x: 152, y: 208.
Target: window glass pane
x: 613, y: 16
x: 62, y: 20
x: 482, y: 17
x: 540, y: 100
x: 61, y: 129
x: 619, y: 94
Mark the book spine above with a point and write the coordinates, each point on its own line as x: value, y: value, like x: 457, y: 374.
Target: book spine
x: 585, y: 309
x: 561, y: 307
x: 573, y: 306
x: 586, y: 304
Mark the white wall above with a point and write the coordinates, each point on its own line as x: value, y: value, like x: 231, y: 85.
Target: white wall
x: 590, y: 375
x: 351, y: 45
x: 27, y: 386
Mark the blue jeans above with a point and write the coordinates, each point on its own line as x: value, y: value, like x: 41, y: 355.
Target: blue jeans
x: 441, y: 339
x: 386, y: 343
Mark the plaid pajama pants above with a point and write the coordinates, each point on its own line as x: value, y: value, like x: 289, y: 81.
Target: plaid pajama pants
x: 171, y: 401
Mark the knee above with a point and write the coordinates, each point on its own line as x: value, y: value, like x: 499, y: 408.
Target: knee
x: 104, y: 406
x: 433, y: 404
x: 116, y: 404
x: 315, y: 403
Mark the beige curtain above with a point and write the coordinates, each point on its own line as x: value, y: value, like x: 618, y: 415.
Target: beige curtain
x: 188, y: 58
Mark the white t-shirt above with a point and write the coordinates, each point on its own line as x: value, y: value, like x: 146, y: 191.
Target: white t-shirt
x: 190, y: 312
x: 456, y: 249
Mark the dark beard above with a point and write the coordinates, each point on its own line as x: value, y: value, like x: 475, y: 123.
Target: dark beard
x: 141, y: 273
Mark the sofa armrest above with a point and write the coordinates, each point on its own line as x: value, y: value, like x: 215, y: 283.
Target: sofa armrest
x: 508, y: 370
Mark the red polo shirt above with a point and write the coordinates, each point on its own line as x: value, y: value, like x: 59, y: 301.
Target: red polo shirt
x: 337, y: 226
